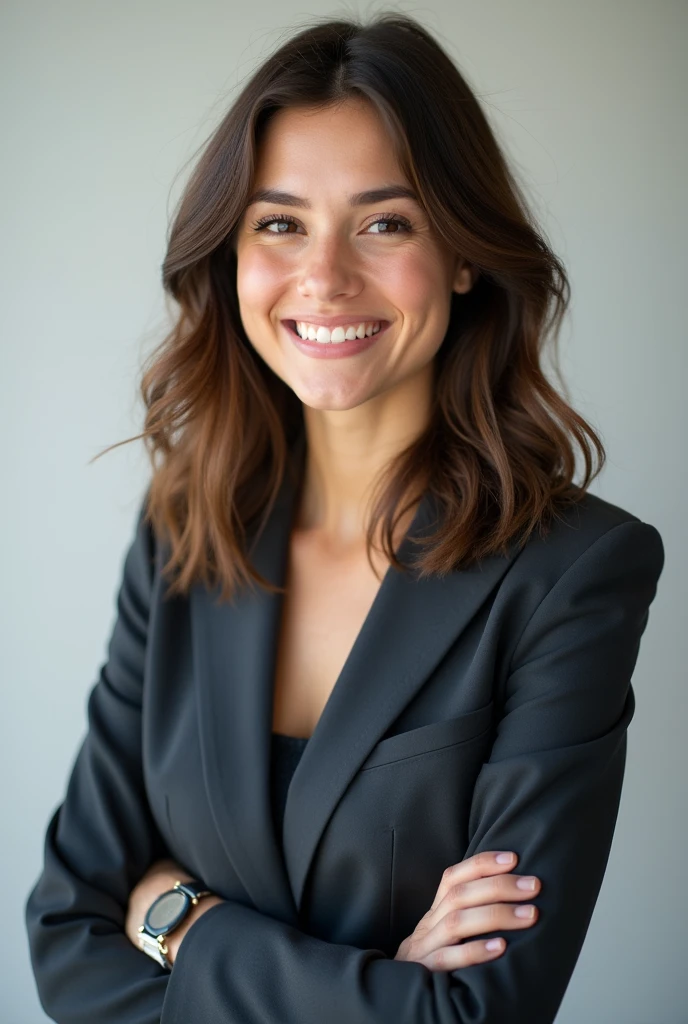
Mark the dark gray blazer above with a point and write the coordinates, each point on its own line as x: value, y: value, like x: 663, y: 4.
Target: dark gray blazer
x: 483, y: 711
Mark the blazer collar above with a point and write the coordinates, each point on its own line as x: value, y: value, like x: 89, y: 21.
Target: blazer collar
x: 234, y: 662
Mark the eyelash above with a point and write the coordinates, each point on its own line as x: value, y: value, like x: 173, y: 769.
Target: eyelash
x: 391, y: 218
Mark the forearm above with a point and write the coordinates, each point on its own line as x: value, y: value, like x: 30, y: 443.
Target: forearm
x: 236, y: 964
x: 85, y: 966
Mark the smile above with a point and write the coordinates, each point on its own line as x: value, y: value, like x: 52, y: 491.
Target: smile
x: 324, y: 342
x: 335, y: 336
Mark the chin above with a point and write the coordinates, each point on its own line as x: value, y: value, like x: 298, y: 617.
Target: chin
x: 330, y: 399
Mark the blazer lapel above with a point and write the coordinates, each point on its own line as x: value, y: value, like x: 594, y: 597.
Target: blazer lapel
x: 234, y: 658
x: 409, y: 628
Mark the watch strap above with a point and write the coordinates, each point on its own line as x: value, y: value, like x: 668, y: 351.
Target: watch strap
x: 193, y: 889
x: 155, y: 948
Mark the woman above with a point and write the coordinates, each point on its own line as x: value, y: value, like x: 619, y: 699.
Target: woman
x: 344, y: 751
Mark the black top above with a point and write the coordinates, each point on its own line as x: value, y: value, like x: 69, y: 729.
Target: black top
x: 286, y: 753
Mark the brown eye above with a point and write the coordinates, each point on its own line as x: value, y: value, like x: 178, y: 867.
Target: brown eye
x: 398, y: 224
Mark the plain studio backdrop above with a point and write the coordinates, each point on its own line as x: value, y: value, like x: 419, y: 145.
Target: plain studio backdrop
x: 103, y: 106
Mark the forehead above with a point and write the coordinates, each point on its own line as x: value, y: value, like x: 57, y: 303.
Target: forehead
x: 339, y: 148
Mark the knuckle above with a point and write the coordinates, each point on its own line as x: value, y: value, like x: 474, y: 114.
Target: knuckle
x: 495, y: 913
x: 424, y: 924
x: 507, y: 890
x: 498, y: 886
x: 457, y: 891
x: 468, y: 953
x: 429, y: 961
x: 448, y: 874
x: 440, y: 959
x: 412, y: 949
x: 454, y: 920
x: 484, y: 861
x: 477, y: 951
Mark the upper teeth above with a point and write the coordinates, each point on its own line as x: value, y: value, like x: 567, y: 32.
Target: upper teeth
x: 338, y: 334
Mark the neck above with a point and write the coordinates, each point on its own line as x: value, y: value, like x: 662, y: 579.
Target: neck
x: 343, y: 463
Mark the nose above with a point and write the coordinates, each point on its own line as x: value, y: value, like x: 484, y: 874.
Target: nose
x: 328, y: 271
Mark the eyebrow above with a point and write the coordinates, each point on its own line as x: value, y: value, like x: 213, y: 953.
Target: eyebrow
x: 373, y: 195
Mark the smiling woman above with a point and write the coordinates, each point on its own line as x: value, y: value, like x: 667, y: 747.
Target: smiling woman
x: 346, y: 263
x: 303, y: 800
x: 356, y: 182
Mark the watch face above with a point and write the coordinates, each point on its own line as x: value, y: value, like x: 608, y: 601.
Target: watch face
x: 166, y: 912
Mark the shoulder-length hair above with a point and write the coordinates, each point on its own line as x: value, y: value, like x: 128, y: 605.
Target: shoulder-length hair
x: 498, y: 452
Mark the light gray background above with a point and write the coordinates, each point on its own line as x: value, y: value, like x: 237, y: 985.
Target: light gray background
x: 103, y: 106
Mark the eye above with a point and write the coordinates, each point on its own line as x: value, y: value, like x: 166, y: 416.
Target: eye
x: 283, y: 220
x: 275, y: 218
x: 400, y: 222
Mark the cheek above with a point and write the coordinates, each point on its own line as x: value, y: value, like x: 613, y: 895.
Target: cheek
x: 259, y: 279
x: 416, y: 282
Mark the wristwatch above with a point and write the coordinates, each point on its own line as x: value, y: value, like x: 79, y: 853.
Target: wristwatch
x: 165, y: 914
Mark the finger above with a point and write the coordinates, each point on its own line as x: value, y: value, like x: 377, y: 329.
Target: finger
x: 457, y: 925
x: 480, y: 865
x: 482, y: 892
x: 452, y: 958
x: 473, y: 921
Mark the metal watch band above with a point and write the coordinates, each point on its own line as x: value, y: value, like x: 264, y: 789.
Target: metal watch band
x: 155, y: 948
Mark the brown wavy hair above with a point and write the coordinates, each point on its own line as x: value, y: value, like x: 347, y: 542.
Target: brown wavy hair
x: 498, y: 451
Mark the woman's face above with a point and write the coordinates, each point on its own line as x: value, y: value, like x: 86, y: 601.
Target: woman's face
x: 323, y: 256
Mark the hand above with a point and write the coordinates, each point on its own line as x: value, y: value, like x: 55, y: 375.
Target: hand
x: 468, y: 902
x: 160, y: 877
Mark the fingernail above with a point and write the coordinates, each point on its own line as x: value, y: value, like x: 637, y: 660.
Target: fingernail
x: 525, y: 883
x: 524, y: 911
x: 504, y: 858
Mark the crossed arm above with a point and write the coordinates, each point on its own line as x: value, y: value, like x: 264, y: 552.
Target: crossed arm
x: 550, y: 791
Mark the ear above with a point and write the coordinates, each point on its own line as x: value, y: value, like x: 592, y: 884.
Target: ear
x: 465, y: 275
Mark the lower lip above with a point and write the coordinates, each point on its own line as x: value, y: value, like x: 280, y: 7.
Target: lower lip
x: 332, y: 350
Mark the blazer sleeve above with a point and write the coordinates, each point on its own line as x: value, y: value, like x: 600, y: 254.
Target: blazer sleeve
x: 101, y: 839
x: 550, y: 791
